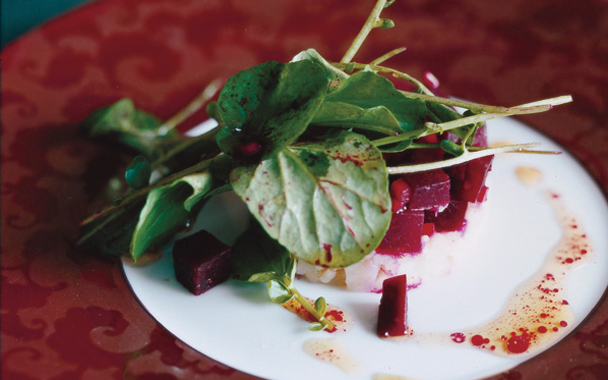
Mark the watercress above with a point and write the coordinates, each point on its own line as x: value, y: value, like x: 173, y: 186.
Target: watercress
x: 301, y: 143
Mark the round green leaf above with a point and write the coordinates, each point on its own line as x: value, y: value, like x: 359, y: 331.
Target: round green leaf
x: 326, y: 202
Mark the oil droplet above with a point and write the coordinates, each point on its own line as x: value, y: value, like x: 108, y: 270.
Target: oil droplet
x: 332, y: 352
x: 529, y: 176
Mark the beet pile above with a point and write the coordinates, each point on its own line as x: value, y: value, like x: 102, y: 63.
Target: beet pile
x: 435, y: 200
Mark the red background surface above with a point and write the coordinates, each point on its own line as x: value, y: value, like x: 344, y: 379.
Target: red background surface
x: 66, y: 315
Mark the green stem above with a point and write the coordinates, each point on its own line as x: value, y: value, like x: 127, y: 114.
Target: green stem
x: 370, y: 23
x: 311, y: 310
x: 539, y: 106
x: 203, y: 97
x: 388, y: 55
x: 386, y: 70
x: 207, y: 136
x: 466, y: 156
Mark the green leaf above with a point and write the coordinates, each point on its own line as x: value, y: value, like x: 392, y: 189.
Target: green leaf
x: 326, y: 202
x: 279, y: 292
x: 386, y: 23
x: 166, y: 211
x: 396, y: 147
x: 268, y: 106
x: 316, y: 326
x: 111, y: 234
x: 138, y: 173
x: 451, y: 147
x: 337, y: 77
x: 345, y: 115
x: 444, y: 114
x: 376, y: 95
x: 122, y: 122
x: 256, y: 257
x: 321, y: 305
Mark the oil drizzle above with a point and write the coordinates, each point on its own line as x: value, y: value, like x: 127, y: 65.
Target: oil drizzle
x: 537, y: 315
x: 332, y: 352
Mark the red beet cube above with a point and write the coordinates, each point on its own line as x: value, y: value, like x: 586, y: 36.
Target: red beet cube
x: 424, y: 155
x: 404, y: 234
x: 468, y: 179
x: 392, y: 313
x: 428, y: 229
x: 400, y: 195
x: 416, y: 156
x: 483, y: 195
x: 201, y: 262
x: 449, y: 219
x: 429, y: 190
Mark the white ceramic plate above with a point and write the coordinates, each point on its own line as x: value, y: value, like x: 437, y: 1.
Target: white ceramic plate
x: 237, y: 324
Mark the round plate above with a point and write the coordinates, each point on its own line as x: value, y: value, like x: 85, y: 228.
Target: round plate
x: 237, y: 324
x: 68, y: 314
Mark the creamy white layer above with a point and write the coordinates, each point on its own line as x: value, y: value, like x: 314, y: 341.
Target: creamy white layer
x: 440, y: 252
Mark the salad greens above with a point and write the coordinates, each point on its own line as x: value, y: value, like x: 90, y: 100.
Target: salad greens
x: 301, y: 143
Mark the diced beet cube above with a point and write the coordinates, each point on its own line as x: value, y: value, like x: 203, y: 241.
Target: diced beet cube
x: 404, y: 234
x: 428, y: 229
x: 469, y: 187
x: 392, y: 312
x: 201, y: 262
x: 429, y: 190
x: 400, y: 194
x: 481, y: 137
x: 452, y: 218
x: 482, y: 195
x: 424, y: 155
x: 416, y: 156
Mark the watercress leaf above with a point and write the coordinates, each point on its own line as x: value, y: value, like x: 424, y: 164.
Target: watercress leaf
x: 122, y: 122
x: 327, y: 202
x: 166, y: 211
x: 111, y: 234
x: 368, y: 90
x: 137, y: 174
x: 316, y: 326
x: 346, y: 115
x: 445, y: 114
x: 212, y: 110
x: 396, y: 147
x: 279, y: 293
x: 263, y: 277
x: 268, y: 106
x: 386, y: 23
x: 321, y: 305
x: 256, y: 257
x: 451, y: 147
x: 336, y: 76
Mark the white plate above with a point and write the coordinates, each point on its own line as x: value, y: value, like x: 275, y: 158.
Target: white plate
x: 236, y: 323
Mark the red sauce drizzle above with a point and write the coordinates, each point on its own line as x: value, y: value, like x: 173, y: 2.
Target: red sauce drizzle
x: 536, y: 315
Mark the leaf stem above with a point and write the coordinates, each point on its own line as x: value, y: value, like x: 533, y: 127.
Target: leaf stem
x: 466, y: 156
x: 195, y: 104
x: 370, y: 23
x: 207, y: 136
x: 328, y: 325
x: 386, y: 70
x: 388, y: 55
